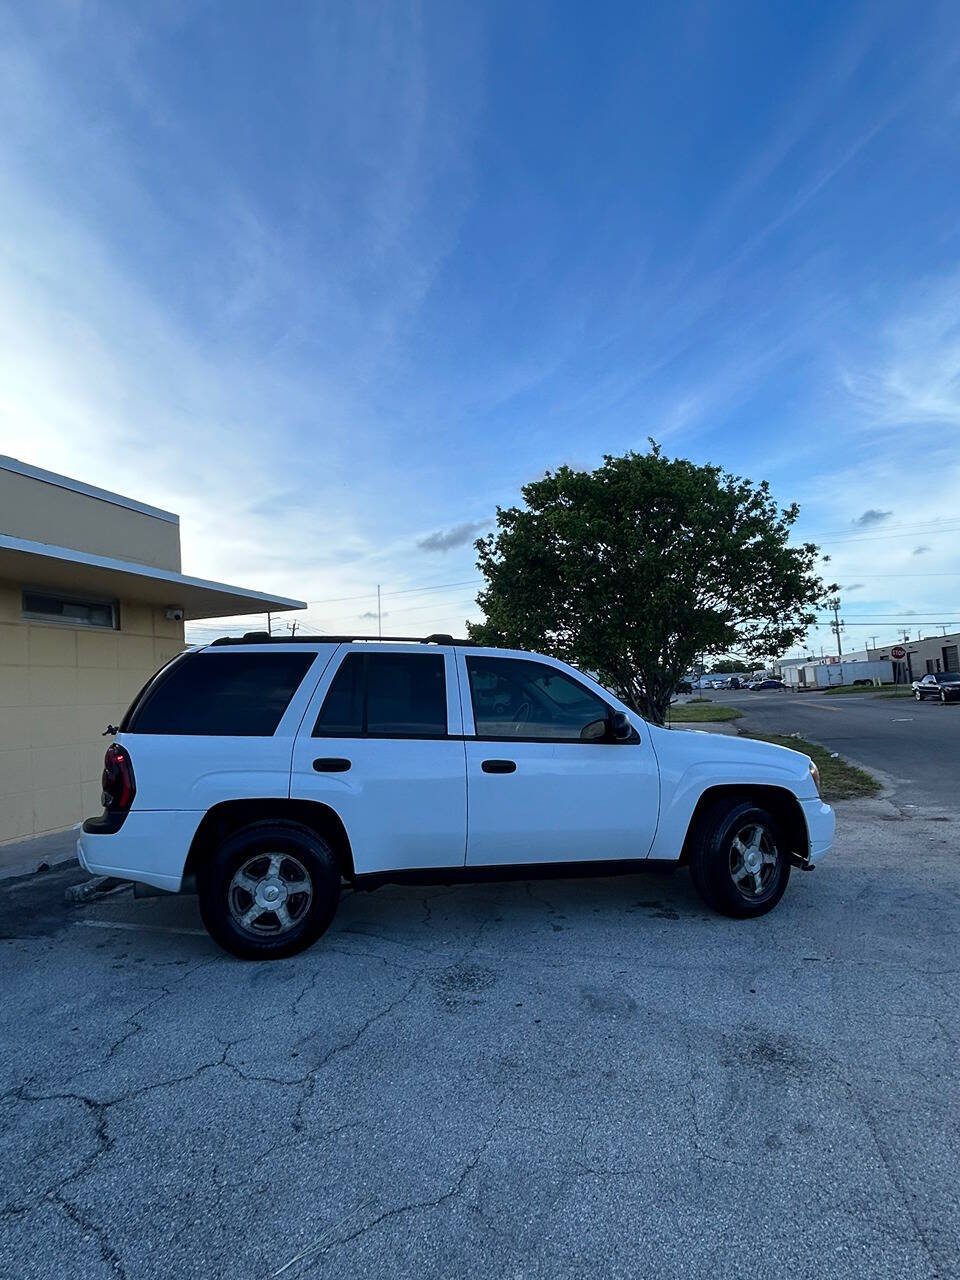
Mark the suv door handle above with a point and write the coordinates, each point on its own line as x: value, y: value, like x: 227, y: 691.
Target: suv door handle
x: 331, y: 764
x: 499, y: 766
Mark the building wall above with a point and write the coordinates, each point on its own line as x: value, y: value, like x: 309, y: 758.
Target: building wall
x: 60, y: 686
x: 34, y: 508
x: 941, y: 652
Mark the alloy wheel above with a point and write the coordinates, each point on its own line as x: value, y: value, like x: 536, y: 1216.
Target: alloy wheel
x: 753, y: 860
x: 270, y: 893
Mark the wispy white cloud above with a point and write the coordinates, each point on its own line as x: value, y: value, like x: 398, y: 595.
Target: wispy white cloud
x: 912, y: 376
x: 230, y: 388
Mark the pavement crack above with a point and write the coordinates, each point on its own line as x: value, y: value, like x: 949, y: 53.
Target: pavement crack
x: 108, y: 1253
x: 895, y: 1181
x: 315, y: 1252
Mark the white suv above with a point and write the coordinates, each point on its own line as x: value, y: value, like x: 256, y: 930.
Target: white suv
x: 264, y: 772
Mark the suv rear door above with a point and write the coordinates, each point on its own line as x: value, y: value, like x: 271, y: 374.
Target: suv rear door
x: 381, y: 743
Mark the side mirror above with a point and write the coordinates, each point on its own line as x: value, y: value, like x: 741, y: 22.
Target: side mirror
x: 595, y: 731
x: 620, y: 727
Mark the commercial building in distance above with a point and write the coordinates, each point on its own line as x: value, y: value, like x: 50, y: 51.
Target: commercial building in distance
x: 92, y: 601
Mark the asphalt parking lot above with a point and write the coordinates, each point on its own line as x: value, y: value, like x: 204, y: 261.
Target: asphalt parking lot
x: 547, y: 1079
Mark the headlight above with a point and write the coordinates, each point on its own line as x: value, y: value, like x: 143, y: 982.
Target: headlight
x: 815, y: 775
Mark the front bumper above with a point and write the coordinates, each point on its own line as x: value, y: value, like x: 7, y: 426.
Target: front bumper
x: 821, y: 826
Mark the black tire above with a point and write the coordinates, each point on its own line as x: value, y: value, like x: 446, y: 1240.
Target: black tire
x: 918, y: 695
x: 714, y: 855
x: 278, y: 857
x: 943, y: 697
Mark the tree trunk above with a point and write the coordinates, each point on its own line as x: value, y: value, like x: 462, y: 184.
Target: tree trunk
x: 649, y: 699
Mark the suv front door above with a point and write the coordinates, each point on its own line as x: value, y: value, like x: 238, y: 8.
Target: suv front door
x: 381, y: 744
x: 539, y: 788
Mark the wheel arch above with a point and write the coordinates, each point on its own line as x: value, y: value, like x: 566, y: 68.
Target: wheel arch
x: 780, y: 801
x: 229, y: 816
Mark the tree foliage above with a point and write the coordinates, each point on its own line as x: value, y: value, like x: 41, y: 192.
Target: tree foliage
x: 728, y: 666
x: 635, y: 570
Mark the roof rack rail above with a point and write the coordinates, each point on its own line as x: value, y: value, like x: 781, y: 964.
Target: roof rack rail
x: 263, y: 637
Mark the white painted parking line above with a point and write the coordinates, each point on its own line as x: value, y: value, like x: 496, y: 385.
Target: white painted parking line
x: 138, y: 928
x: 893, y: 720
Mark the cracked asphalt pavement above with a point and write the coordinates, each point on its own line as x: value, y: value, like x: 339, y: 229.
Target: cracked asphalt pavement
x: 548, y: 1079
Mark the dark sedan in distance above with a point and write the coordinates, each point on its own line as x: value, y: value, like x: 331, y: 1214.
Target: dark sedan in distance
x: 944, y: 685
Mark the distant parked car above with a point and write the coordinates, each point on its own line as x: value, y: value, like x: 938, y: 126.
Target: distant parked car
x: 944, y: 685
x: 768, y: 684
x: 733, y: 683
x: 684, y: 686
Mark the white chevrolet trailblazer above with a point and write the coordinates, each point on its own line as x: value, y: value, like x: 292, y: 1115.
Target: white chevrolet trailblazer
x: 264, y: 772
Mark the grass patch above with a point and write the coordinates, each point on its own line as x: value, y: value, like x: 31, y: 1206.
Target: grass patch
x: 902, y: 691
x: 839, y: 779
x: 700, y: 712
x: 855, y: 688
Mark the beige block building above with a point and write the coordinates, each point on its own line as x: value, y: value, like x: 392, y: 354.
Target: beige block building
x: 92, y: 602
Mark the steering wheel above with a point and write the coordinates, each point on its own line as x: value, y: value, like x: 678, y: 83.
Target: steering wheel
x: 521, y: 716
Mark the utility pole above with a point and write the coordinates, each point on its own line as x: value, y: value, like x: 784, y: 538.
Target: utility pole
x: 379, y: 614
x: 873, y: 642
x: 836, y: 625
x: 293, y: 628
x: 269, y: 625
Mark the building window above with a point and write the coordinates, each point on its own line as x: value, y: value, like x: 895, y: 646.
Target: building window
x: 929, y: 663
x: 69, y: 611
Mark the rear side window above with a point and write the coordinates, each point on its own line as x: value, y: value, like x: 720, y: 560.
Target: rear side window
x: 231, y: 695
x: 393, y: 695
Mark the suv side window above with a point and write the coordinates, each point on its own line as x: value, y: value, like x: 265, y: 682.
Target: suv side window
x: 387, y: 695
x: 516, y: 698
x: 230, y: 695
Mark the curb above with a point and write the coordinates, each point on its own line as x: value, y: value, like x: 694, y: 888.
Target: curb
x: 98, y: 887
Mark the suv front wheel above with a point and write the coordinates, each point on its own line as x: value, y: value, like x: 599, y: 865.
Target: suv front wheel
x: 269, y: 890
x: 740, y: 860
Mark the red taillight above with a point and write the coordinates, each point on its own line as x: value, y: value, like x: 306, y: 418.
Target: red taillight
x: 118, y: 783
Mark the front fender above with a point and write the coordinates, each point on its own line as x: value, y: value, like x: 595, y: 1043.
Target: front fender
x: 689, y: 769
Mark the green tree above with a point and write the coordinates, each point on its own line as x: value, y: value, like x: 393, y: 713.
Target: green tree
x: 728, y: 666
x: 634, y: 570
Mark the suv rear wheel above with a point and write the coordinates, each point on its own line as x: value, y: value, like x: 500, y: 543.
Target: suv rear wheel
x: 740, y: 861
x: 269, y: 890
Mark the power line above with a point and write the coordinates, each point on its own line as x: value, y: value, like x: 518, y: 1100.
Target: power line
x: 405, y: 591
x: 877, y: 537
x: 950, y: 573
x: 896, y: 524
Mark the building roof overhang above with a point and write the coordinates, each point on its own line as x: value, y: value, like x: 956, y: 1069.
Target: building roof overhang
x: 41, y: 564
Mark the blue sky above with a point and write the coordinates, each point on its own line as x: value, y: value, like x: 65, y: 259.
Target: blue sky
x: 333, y: 280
